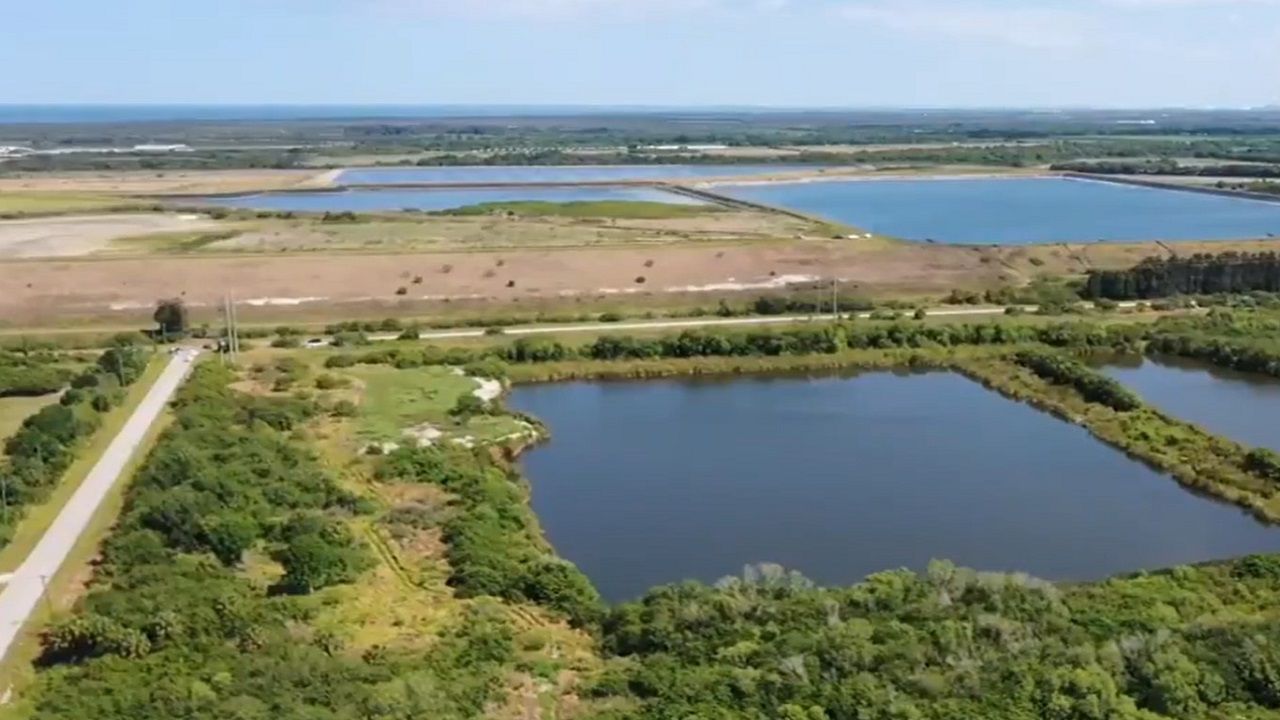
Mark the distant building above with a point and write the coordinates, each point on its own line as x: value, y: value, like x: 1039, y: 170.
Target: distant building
x: 685, y: 148
x: 162, y: 148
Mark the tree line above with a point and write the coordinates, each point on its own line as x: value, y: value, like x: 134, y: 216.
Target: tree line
x: 44, y: 446
x: 824, y: 339
x: 949, y: 644
x: 1168, y: 166
x: 1091, y: 384
x: 1198, y: 274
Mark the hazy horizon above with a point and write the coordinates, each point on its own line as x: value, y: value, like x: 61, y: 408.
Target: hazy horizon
x: 773, y: 54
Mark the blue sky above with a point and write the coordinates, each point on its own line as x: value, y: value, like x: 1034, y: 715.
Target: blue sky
x: 848, y: 53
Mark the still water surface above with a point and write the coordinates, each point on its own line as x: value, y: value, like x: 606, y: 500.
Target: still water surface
x: 1242, y: 406
x: 538, y: 174
x: 1020, y: 211
x: 429, y: 200
x: 648, y: 483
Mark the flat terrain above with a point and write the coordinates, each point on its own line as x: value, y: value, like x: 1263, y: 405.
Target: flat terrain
x: 176, y: 182
x: 395, y: 402
x: 22, y: 203
x: 68, y: 236
x: 452, y: 233
x: 14, y: 410
x: 34, y: 292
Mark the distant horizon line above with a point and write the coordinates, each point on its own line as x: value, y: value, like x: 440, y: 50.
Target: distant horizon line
x: 36, y: 114
x: 634, y: 106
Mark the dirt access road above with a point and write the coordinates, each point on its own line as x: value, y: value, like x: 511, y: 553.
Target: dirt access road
x: 23, y: 590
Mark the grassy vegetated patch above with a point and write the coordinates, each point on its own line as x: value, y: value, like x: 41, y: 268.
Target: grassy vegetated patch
x: 420, y: 400
x: 495, y: 547
x: 175, y: 624
x: 30, y: 204
x: 176, y: 243
x: 14, y: 410
x: 40, y: 451
x: 620, y: 209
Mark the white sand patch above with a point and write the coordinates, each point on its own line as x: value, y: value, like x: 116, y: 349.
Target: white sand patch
x: 732, y: 285
x: 472, y: 296
x: 287, y: 301
x: 424, y: 435
x: 76, y: 235
x: 131, y: 305
x: 618, y: 291
x: 526, y: 432
x: 489, y: 390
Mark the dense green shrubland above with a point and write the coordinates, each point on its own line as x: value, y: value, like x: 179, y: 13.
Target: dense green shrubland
x: 39, y: 453
x: 952, y: 644
x: 814, y: 339
x: 173, y: 627
x: 1091, y: 384
x: 494, y: 545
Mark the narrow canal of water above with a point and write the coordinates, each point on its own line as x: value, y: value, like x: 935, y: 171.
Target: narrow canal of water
x: 1241, y: 406
x: 647, y: 483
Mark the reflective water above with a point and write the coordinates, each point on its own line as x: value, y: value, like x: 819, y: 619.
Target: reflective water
x: 443, y: 199
x: 1020, y: 211
x: 543, y: 174
x: 647, y: 483
x: 1241, y: 406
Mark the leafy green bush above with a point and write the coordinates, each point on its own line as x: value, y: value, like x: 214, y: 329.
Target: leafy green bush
x: 493, y: 542
x: 1091, y: 384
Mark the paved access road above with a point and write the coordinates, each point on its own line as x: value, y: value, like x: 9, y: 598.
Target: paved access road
x: 22, y: 592
x: 685, y: 324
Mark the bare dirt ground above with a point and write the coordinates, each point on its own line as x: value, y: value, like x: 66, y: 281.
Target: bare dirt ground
x: 85, y: 234
x: 176, y: 182
x: 335, y: 286
x: 36, y: 290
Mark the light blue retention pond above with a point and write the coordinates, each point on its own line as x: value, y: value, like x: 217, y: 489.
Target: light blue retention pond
x: 1020, y: 211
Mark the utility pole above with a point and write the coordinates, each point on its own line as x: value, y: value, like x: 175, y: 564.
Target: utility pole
x: 231, y: 339
x: 835, y: 299
x: 48, y: 601
x: 225, y: 342
x: 235, y: 333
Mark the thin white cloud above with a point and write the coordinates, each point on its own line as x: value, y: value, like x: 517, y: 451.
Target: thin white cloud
x: 1193, y: 3
x: 1027, y: 27
x: 534, y: 10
